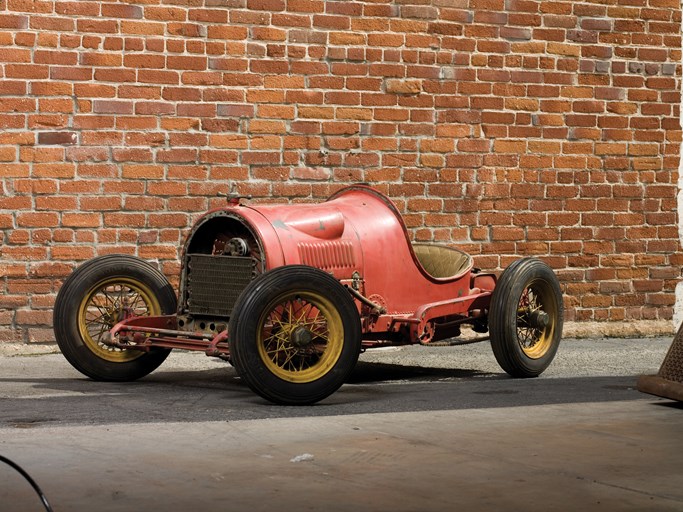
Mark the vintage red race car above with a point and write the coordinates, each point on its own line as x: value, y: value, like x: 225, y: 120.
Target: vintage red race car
x: 292, y: 294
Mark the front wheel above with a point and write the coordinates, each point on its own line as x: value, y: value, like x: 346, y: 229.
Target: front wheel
x: 95, y: 297
x: 525, y: 320
x: 294, y: 335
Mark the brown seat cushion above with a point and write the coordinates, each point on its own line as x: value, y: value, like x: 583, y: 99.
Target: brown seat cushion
x: 442, y: 262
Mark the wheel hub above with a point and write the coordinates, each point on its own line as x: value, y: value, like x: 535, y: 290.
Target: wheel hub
x: 539, y: 319
x: 300, y: 336
x: 114, y: 314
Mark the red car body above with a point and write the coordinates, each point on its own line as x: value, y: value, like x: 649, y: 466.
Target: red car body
x: 359, y: 237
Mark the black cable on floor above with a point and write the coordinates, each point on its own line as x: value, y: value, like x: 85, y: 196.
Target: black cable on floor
x: 29, y: 479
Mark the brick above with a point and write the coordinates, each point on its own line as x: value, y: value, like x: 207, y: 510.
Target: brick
x: 44, y: 219
x: 186, y: 62
x: 122, y: 11
x: 403, y: 86
x: 57, y: 138
x: 141, y: 28
x: 89, y: 220
x: 12, y: 21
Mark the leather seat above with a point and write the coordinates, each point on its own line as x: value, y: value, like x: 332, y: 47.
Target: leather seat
x: 442, y: 262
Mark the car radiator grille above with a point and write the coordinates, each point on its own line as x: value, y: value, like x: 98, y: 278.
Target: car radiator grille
x: 215, y: 282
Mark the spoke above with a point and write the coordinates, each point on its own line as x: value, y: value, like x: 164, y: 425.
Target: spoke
x: 98, y: 325
x: 289, y: 358
x: 140, y: 306
x: 109, y: 298
x: 524, y: 299
x: 278, y: 319
x: 136, y: 296
x: 276, y: 343
x: 323, y: 337
x: 274, y: 339
x: 99, y: 308
x: 314, y: 321
x: 95, y: 304
x: 290, y: 313
x: 524, y: 334
x: 528, y: 336
x: 96, y: 332
x: 277, y: 322
x: 318, y: 326
x: 285, y: 319
x: 96, y: 321
x: 103, y: 328
x: 94, y: 316
x: 300, y: 319
x: 280, y: 343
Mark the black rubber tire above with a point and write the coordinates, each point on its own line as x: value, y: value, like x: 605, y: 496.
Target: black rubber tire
x: 251, y: 342
x: 86, y: 354
x: 510, y: 322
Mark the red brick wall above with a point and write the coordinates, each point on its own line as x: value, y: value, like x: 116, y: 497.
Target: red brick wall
x: 508, y: 127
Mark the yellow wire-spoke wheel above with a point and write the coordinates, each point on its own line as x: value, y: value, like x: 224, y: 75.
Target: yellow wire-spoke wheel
x: 295, y: 335
x: 525, y: 318
x: 95, y: 297
x: 301, y: 337
x: 536, y: 319
x: 106, y: 304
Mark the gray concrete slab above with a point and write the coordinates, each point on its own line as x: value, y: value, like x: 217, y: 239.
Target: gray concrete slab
x: 421, y: 428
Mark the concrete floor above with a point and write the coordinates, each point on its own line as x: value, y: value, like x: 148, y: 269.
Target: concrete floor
x: 621, y: 450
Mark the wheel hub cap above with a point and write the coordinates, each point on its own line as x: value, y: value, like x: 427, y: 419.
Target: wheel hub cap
x: 300, y: 336
x: 539, y: 319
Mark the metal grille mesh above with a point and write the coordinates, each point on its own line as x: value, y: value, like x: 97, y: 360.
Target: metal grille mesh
x: 215, y: 282
x: 672, y: 367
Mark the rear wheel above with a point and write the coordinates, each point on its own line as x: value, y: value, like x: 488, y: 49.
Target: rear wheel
x: 294, y: 335
x: 525, y: 321
x: 95, y: 297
